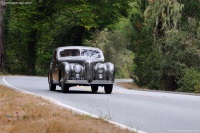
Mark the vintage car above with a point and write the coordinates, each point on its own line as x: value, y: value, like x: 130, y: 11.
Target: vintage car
x: 79, y: 65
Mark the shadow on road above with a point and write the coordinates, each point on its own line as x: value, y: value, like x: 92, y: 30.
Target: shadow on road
x: 79, y: 92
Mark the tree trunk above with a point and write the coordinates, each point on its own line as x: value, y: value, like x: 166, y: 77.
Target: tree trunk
x: 32, y: 52
x: 2, y: 8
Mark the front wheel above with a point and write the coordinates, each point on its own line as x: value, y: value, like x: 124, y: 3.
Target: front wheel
x: 108, y: 88
x: 64, y: 87
x: 94, y: 88
x: 52, y: 87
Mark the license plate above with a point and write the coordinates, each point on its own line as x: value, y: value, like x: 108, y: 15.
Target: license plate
x: 74, y: 78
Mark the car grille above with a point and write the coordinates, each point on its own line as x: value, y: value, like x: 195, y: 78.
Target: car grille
x: 74, y: 78
x: 89, y: 71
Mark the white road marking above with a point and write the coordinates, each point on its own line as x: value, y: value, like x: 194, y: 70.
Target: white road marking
x: 72, y: 108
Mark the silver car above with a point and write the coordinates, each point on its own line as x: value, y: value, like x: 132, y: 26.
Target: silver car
x: 78, y: 65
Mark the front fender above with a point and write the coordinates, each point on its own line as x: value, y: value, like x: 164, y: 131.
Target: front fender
x: 110, y: 71
x: 65, y: 70
x: 50, y: 79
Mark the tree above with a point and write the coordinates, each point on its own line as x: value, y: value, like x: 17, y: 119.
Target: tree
x: 26, y: 29
x: 167, y: 53
x: 93, y: 15
x: 75, y: 23
x: 191, y: 9
x: 152, y: 70
x: 2, y: 8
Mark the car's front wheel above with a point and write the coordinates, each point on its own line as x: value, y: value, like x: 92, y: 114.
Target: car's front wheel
x: 108, y: 88
x: 94, y: 88
x: 52, y: 87
x: 64, y: 87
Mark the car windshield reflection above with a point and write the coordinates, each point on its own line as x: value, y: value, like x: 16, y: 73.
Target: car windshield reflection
x: 90, y: 53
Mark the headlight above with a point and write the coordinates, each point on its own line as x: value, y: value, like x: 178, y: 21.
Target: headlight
x: 100, y: 68
x: 77, y: 68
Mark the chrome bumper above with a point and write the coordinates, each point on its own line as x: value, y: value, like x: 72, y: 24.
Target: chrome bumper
x: 85, y: 82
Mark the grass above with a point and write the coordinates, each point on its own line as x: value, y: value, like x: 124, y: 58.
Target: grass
x: 25, y: 113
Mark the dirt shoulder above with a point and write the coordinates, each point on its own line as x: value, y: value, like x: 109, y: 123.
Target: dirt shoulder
x: 133, y: 86
x: 130, y: 85
x: 25, y: 113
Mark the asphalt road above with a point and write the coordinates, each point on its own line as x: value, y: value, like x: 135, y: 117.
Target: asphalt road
x: 152, y: 112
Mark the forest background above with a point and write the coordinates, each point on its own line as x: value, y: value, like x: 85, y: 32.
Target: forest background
x: 155, y: 42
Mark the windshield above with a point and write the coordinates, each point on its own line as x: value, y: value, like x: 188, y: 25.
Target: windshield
x: 90, y: 53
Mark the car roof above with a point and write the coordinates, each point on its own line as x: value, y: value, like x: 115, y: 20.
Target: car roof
x: 77, y: 47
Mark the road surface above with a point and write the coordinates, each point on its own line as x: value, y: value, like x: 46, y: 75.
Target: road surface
x: 152, y: 112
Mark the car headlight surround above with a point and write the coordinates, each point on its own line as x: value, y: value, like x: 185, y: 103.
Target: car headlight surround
x: 100, y: 68
x: 77, y: 68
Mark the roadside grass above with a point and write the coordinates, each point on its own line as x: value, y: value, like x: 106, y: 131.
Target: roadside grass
x: 133, y: 86
x: 25, y: 113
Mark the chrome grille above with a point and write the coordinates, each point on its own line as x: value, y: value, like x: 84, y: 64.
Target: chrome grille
x: 89, y: 71
x: 74, y: 78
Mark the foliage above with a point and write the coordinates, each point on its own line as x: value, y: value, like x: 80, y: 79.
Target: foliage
x: 6, y: 17
x: 166, y: 63
x: 115, y: 45
x: 165, y: 50
x: 191, y: 9
x: 2, y: 40
x: 142, y: 41
x: 36, y: 29
x: 16, y: 61
x: 190, y: 81
x: 166, y: 15
x: 161, y: 37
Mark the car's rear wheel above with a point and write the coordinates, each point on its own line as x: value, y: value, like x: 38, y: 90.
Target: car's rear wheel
x: 94, y: 88
x: 64, y: 87
x: 108, y: 88
x: 52, y: 87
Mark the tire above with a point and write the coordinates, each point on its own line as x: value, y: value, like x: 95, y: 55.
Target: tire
x: 108, y: 88
x: 94, y: 88
x: 64, y: 87
x: 52, y: 87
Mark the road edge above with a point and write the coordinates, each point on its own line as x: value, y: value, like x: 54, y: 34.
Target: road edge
x: 75, y: 110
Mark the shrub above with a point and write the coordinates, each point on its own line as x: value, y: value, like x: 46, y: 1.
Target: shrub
x: 115, y: 46
x: 190, y: 81
x: 162, y: 67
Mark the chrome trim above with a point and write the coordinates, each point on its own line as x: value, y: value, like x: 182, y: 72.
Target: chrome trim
x: 89, y: 71
x: 85, y: 82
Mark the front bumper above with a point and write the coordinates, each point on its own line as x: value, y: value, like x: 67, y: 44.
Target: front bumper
x: 85, y: 82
